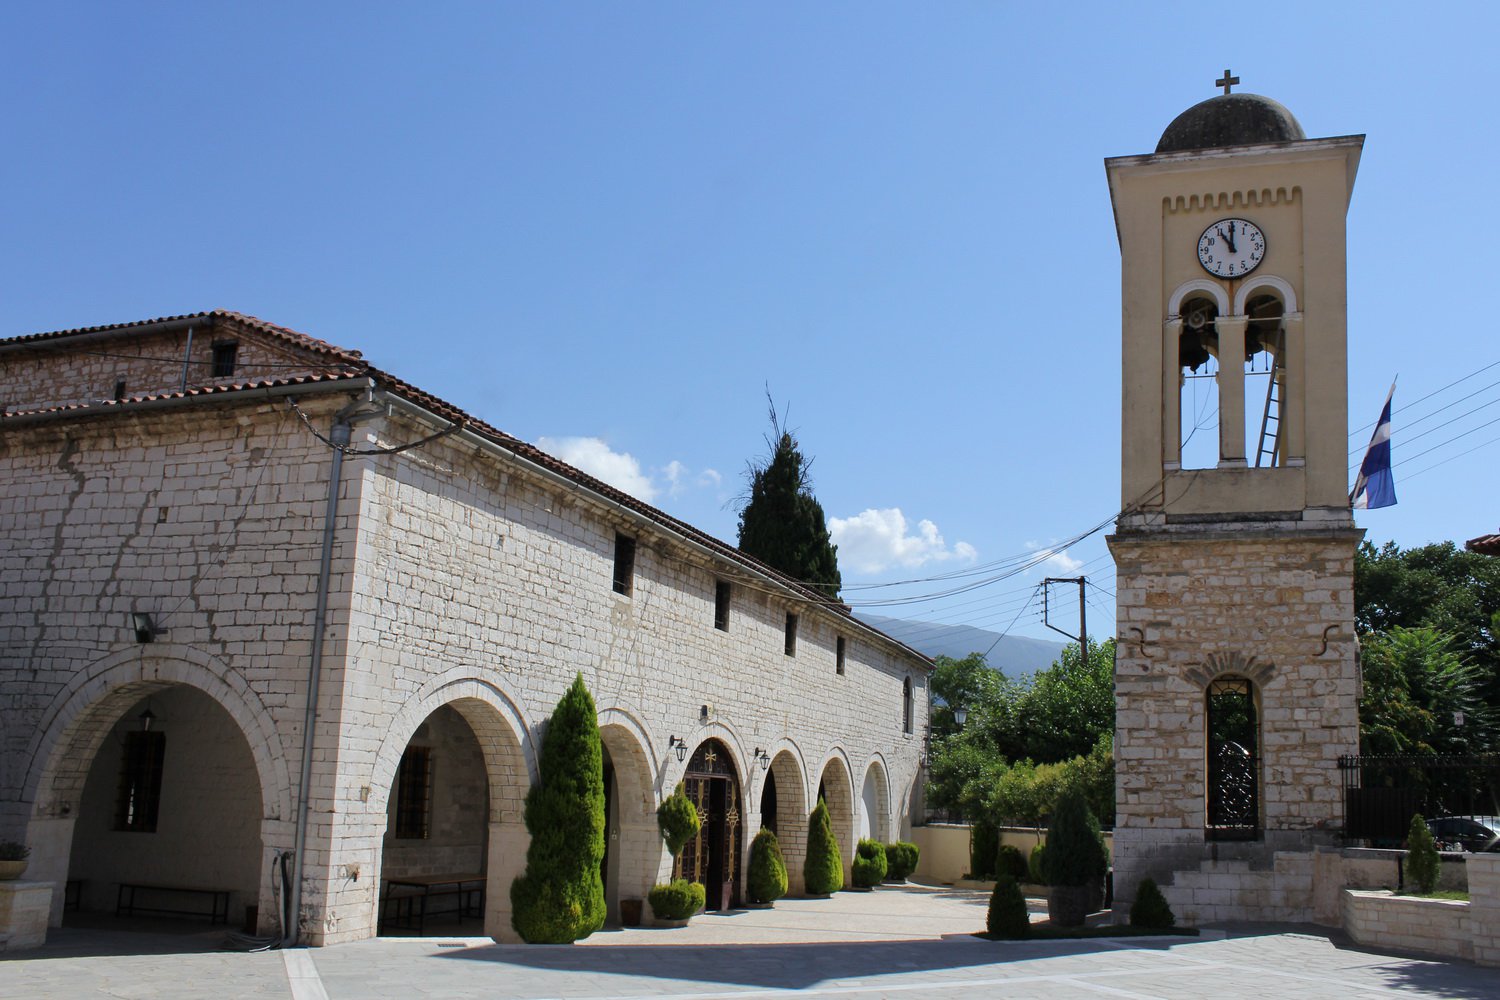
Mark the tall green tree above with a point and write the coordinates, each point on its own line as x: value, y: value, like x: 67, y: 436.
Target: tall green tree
x: 1420, y: 696
x: 560, y: 898
x: 782, y: 524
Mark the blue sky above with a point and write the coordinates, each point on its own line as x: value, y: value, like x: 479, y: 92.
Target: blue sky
x: 608, y: 227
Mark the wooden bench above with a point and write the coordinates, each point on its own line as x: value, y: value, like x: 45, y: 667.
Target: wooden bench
x: 128, y: 902
x: 404, y: 903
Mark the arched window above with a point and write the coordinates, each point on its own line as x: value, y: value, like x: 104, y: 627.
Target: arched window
x: 906, y: 715
x: 1198, y: 373
x: 1233, y: 746
x: 1265, y: 380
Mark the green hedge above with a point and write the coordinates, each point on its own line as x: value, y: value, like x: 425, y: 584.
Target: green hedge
x: 677, y: 901
x: 984, y: 842
x: 869, y: 863
x: 1150, y: 908
x: 766, y: 880
x: 823, y: 872
x: 1007, y: 917
x: 1010, y: 861
x: 1075, y: 847
x: 901, y: 860
x: 1036, y: 869
x: 560, y: 898
x: 1422, y: 860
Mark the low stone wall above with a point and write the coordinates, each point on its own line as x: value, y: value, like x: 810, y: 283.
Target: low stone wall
x: 1445, y: 927
x: 945, y: 848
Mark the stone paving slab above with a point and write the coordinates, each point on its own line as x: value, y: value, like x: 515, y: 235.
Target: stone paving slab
x: 903, y: 943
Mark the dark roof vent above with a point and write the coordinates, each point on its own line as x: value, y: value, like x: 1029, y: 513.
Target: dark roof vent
x: 1230, y: 120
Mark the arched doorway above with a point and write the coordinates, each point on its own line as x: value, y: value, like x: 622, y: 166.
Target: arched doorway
x: 435, y: 851
x: 836, y: 788
x: 172, y: 800
x: 786, y: 792
x: 713, y: 856
x: 633, y: 849
x: 874, y: 808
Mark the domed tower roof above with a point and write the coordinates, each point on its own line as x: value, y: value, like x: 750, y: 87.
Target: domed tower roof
x: 1230, y: 120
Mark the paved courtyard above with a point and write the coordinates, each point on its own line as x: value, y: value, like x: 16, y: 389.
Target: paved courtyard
x: 898, y: 942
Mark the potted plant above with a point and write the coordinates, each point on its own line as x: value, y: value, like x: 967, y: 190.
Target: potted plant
x: 766, y: 879
x: 13, y: 856
x: 1072, y: 860
x: 869, y: 863
x: 674, y: 902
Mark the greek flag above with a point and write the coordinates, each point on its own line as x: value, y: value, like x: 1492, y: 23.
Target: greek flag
x: 1375, y: 487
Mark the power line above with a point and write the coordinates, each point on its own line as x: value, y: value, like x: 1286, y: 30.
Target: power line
x: 1435, y: 392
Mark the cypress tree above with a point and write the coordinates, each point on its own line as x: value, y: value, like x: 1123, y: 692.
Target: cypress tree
x: 823, y: 871
x: 782, y: 524
x: 560, y: 898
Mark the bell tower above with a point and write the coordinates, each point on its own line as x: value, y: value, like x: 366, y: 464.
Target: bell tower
x: 1235, y: 678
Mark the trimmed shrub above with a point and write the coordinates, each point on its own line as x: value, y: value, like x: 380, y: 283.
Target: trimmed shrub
x: 901, y: 860
x: 869, y: 863
x: 560, y: 898
x: 1422, y: 861
x: 823, y: 872
x: 678, y: 820
x: 984, y: 840
x: 1150, y: 908
x: 1009, y: 861
x: 766, y: 879
x: 1007, y: 916
x: 678, y: 900
x: 1035, y: 870
x: 1075, y: 847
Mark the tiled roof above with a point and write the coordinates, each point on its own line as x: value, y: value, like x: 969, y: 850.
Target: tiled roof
x: 355, y: 367
x: 1485, y: 545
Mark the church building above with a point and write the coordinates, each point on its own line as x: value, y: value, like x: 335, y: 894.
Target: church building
x: 1236, y: 678
x: 280, y: 632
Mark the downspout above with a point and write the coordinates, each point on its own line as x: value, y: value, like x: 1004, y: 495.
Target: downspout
x: 343, y: 426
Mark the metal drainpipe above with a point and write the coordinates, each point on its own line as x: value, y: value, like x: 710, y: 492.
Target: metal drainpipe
x: 343, y: 426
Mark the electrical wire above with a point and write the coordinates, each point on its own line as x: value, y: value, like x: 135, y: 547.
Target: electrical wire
x: 1435, y: 392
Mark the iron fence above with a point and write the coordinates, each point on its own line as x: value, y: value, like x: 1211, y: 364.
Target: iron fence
x: 1382, y: 793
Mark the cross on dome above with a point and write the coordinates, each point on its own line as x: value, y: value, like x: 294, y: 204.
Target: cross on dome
x: 1226, y: 81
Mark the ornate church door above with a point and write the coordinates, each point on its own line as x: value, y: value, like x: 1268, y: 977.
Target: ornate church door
x: 712, y: 857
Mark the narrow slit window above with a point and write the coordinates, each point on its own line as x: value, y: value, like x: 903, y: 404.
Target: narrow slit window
x: 225, y: 356
x: 838, y: 654
x: 138, y: 799
x: 119, y: 390
x: 414, y: 794
x: 907, y: 723
x: 722, y: 591
x: 791, y: 634
x: 624, y: 564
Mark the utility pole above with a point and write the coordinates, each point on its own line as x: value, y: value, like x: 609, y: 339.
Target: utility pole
x: 1083, y: 621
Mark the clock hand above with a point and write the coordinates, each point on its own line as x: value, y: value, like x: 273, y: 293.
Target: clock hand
x: 1227, y: 238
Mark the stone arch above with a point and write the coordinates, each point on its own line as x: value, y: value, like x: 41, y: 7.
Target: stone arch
x: 1258, y: 283
x: 1194, y: 288
x: 836, y: 778
x: 80, y: 715
x: 789, y: 772
x: 1215, y: 665
x: 635, y: 857
x: 875, y: 801
x: 508, y: 749
x: 672, y: 769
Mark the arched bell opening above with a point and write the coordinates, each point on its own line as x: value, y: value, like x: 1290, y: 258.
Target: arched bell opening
x: 169, y: 819
x: 434, y: 856
x: 1198, y: 382
x: 712, y: 783
x: 1265, y: 379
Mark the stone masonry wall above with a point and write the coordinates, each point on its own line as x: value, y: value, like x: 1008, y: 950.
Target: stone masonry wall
x: 1273, y: 603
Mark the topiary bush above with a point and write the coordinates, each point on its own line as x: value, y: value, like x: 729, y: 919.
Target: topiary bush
x: 560, y: 898
x: 766, y: 880
x: 984, y: 839
x: 1035, y: 870
x: 869, y: 863
x: 901, y: 860
x: 1007, y: 917
x: 1422, y: 861
x: 1075, y: 847
x: 677, y: 819
x: 1010, y: 861
x: 823, y: 872
x: 678, y: 900
x: 1150, y: 908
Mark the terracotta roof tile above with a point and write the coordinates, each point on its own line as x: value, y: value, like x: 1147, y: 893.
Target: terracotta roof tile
x: 1485, y: 545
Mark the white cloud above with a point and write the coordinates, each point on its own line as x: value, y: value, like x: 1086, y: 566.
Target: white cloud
x: 876, y: 540
x: 1059, y: 562
x: 675, y: 471
x: 711, y: 478
x: 590, y: 454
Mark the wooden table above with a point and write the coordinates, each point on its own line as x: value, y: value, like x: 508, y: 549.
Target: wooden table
x: 404, y: 903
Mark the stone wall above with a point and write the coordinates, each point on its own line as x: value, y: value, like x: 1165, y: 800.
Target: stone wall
x: 1269, y: 602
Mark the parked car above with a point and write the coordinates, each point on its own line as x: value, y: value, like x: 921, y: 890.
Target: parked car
x: 1476, y: 833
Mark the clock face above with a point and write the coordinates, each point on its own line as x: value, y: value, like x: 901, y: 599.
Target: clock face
x: 1231, y: 248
